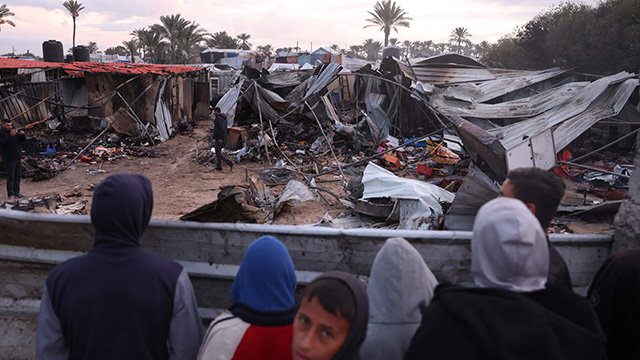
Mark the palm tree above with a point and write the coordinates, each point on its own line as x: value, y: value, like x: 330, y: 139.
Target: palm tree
x: 190, y: 37
x: 74, y: 8
x: 4, y: 12
x: 244, y: 41
x: 372, y: 49
x: 222, y: 40
x: 388, y: 16
x: 267, y: 49
x: 170, y: 28
x: 150, y: 42
x: 440, y: 47
x: 132, y: 49
x: 93, y: 47
x: 393, y: 41
x: 481, y: 49
x: 458, y: 36
x: 116, y: 50
x: 407, y: 48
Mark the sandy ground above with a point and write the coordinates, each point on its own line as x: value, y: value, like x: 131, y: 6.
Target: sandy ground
x: 180, y: 184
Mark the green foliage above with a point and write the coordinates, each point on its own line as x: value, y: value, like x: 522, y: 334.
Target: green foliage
x: 600, y: 40
x: 388, y: 15
x: 131, y: 48
x: 116, y: 50
x: 267, y: 49
x: 92, y: 46
x: 5, y: 12
x: 372, y: 49
x: 460, y: 36
x: 222, y: 40
x: 244, y: 41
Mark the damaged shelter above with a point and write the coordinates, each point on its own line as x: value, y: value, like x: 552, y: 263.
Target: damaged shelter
x: 134, y: 99
x: 477, y: 121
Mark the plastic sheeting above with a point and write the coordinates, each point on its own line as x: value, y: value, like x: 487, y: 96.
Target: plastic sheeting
x: 229, y: 102
x: 294, y: 194
x: 380, y: 183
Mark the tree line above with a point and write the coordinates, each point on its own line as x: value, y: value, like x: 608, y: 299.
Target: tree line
x: 599, y: 40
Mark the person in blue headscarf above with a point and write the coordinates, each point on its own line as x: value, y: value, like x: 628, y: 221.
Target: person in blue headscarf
x: 259, y: 326
x: 118, y: 301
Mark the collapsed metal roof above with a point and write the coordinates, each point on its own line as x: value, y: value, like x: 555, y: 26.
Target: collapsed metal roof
x: 89, y: 66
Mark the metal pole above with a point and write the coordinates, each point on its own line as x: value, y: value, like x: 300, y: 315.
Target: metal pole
x: 344, y: 179
x: 135, y: 116
x: 266, y: 149
x: 594, y: 169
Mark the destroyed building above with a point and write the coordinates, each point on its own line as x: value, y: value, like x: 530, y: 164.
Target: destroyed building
x: 136, y: 99
x: 500, y: 119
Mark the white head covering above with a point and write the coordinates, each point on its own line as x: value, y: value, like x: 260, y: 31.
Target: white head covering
x: 399, y: 285
x: 508, y: 247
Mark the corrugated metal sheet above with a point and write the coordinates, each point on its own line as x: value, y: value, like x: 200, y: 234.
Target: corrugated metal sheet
x: 476, y: 189
x: 447, y: 59
x: 521, y: 108
x: 318, y: 82
x: 122, y: 68
x: 29, y: 107
x: 450, y: 76
x: 514, y: 134
x: 163, y: 115
x: 506, y: 82
x: 609, y: 106
x: 353, y: 64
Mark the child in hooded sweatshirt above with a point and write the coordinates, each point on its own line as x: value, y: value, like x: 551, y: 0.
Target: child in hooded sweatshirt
x: 259, y: 326
x: 399, y: 286
x: 331, y: 322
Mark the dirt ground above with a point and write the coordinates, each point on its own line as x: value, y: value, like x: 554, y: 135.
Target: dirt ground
x: 180, y: 184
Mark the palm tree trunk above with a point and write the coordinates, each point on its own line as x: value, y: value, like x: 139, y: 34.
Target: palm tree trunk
x: 386, y: 36
x: 74, y: 32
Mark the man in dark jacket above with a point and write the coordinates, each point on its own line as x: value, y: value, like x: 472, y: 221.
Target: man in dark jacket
x: 11, y: 152
x: 118, y: 301
x: 220, y: 137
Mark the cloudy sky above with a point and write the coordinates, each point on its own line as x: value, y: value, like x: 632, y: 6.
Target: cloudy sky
x: 279, y: 23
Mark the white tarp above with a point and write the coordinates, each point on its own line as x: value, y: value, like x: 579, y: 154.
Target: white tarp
x: 163, y: 115
x: 380, y: 183
x: 228, y: 103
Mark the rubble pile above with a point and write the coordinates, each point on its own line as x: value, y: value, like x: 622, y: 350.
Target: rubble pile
x: 416, y: 144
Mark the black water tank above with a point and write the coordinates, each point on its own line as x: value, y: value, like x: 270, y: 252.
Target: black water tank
x: 69, y: 58
x: 52, y: 51
x: 81, y: 53
x: 391, y: 51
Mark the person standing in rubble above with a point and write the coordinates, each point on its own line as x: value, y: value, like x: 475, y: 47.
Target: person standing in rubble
x: 220, y: 138
x: 11, y: 152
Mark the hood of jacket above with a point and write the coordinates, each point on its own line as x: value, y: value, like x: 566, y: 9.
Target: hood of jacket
x: 121, y: 210
x: 351, y: 346
x: 266, y: 280
x: 400, y: 284
x: 508, y: 247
